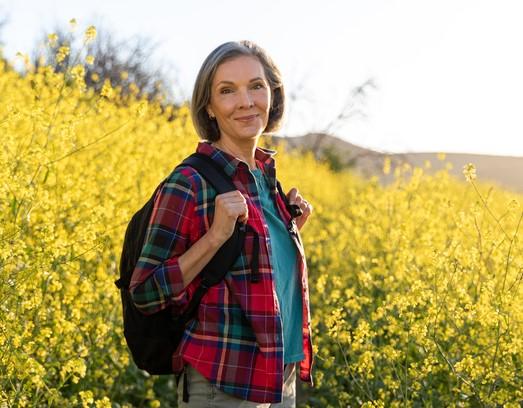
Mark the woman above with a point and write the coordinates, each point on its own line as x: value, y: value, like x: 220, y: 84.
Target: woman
x: 250, y: 337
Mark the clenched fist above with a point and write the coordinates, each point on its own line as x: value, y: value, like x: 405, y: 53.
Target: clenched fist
x: 228, y: 208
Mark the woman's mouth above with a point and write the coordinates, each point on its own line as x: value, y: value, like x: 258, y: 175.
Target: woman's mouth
x: 246, y: 118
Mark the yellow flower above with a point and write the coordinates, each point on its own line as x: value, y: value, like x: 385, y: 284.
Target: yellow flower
x: 72, y: 24
x: 63, y: 52
x: 124, y: 75
x: 469, y: 170
x: 133, y: 88
x: 441, y: 156
x: 52, y: 39
x: 87, y: 398
x: 78, y: 72
x: 89, y: 59
x: 141, y: 109
x: 107, y: 89
x: 104, y: 403
x: 90, y: 34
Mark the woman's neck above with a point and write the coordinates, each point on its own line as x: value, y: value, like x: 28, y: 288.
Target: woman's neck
x: 245, y: 153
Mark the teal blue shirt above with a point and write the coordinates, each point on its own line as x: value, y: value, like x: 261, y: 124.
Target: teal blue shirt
x: 283, y: 256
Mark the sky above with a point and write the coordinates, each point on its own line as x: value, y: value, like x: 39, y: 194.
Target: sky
x: 446, y: 75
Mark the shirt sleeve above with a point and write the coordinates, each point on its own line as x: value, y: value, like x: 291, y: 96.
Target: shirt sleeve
x: 157, y: 281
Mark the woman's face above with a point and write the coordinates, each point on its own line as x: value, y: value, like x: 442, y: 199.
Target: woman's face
x: 240, y: 99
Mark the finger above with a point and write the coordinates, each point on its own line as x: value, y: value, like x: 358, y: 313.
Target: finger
x: 307, y: 208
x: 231, y: 195
x: 291, y: 195
x: 231, y: 198
x: 244, y: 215
x: 236, y: 207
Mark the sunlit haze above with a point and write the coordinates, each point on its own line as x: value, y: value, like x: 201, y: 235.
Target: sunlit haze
x: 447, y: 74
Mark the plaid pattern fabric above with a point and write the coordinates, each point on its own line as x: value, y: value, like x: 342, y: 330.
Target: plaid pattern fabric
x: 236, y: 342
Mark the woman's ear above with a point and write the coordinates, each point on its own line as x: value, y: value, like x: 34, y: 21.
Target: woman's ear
x: 209, y: 111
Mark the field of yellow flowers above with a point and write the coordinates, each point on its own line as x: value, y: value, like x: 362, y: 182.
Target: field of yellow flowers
x: 416, y: 287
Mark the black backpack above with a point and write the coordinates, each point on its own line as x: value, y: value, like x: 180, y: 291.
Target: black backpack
x: 152, y: 339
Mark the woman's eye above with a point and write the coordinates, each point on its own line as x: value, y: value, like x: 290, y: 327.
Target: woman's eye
x: 224, y: 91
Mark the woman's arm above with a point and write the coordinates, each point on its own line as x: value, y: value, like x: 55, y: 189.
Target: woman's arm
x: 168, y: 262
x: 157, y: 279
x: 197, y: 256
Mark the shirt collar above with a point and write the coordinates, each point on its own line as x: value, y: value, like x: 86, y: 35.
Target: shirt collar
x: 230, y: 163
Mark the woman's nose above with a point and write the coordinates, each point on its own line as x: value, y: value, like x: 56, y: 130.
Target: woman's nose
x: 245, y: 99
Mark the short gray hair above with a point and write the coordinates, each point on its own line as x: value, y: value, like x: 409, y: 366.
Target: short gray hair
x: 207, y: 128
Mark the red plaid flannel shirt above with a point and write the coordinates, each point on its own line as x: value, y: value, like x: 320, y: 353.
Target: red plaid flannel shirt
x: 236, y: 342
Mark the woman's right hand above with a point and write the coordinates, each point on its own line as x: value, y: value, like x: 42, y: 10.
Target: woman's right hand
x: 228, y: 208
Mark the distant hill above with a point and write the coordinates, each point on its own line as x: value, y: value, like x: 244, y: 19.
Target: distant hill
x: 504, y: 171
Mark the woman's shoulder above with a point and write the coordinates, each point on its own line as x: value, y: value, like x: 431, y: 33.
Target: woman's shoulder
x: 185, y: 177
x: 183, y: 172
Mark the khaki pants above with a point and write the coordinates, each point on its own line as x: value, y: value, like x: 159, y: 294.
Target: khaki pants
x: 204, y: 394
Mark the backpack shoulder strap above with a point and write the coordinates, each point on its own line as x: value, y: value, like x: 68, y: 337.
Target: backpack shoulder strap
x: 211, y: 171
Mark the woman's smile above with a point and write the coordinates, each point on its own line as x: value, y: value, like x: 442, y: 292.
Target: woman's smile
x: 246, y: 118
